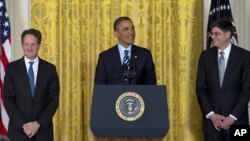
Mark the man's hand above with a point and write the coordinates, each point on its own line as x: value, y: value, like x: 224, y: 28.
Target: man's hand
x: 31, y: 128
x: 227, y: 122
x: 216, y: 120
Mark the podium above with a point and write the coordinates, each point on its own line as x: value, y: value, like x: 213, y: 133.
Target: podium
x: 129, y: 112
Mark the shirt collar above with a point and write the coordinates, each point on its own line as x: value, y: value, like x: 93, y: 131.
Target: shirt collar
x: 27, y: 60
x: 226, y: 50
x: 122, y: 49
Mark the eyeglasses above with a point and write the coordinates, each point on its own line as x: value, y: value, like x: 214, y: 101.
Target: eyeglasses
x: 216, y: 34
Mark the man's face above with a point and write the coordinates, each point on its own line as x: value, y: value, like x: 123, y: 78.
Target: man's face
x: 220, y: 38
x: 125, y: 33
x: 30, y: 46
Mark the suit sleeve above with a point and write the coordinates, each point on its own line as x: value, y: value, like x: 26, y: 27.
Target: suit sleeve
x: 150, y: 75
x: 10, y: 99
x: 201, y: 87
x: 100, y: 77
x: 53, y: 89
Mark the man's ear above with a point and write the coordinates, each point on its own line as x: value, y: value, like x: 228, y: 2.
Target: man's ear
x: 116, y: 34
x: 228, y: 34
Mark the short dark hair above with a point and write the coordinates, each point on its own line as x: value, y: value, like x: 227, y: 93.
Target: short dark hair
x: 225, y: 25
x: 34, y: 32
x: 119, y: 20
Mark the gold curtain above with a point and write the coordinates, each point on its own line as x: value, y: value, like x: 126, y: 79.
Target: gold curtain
x: 76, y: 31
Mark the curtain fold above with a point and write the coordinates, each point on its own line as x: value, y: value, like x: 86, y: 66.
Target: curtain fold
x: 76, y: 31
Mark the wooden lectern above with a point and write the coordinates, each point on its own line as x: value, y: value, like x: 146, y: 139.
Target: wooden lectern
x: 115, y: 110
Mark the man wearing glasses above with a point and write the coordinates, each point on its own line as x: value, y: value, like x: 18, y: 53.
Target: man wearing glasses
x: 223, y: 83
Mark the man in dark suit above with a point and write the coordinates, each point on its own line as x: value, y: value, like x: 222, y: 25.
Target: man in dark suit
x: 125, y: 63
x: 223, y: 83
x: 32, y: 93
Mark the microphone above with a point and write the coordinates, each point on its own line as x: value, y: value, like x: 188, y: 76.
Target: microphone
x: 125, y: 71
x: 128, y: 73
x: 125, y: 74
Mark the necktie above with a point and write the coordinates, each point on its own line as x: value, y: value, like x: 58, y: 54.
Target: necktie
x: 221, y: 67
x: 31, y: 78
x: 126, y: 59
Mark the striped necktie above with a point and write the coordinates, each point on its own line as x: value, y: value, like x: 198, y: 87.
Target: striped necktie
x: 126, y: 59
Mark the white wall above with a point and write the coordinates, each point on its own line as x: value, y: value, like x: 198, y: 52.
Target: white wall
x: 241, y: 15
x: 19, y: 14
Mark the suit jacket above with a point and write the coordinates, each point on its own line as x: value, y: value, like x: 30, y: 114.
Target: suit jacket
x: 22, y: 107
x: 109, y: 67
x: 233, y: 96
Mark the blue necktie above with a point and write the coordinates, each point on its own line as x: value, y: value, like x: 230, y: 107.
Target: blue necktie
x: 31, y: 78
x: 126, y: 59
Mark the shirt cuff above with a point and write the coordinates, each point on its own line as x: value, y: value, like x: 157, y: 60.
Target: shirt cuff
x: 233, y: 117
x: 209, y: 114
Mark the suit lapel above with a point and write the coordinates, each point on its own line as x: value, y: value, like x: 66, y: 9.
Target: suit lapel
x: 116, y: 58
x: 116, y: 62
x: 230, y: 66
x: 134, y: 55
x: 215, y: 64
x: 24, y: 76
x: 40, y: 77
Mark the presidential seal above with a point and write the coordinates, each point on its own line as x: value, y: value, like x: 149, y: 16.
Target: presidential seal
x: 130, y: 106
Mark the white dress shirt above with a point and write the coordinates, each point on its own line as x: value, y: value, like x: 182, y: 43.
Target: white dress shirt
x: 34, y: 66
